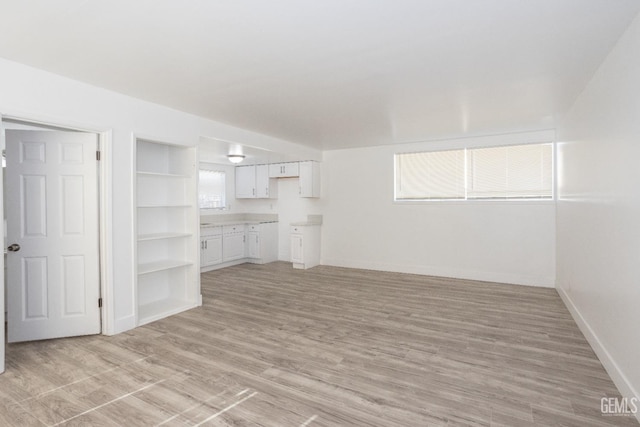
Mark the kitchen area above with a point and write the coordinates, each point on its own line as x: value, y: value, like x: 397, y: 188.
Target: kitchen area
x: 258, y: 210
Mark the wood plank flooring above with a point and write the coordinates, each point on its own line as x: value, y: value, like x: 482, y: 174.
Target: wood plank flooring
x: 273, y: 346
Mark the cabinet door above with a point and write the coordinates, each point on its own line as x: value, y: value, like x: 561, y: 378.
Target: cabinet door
x: 262, y: 182
x: 283, y: 170
x: 297, y: 252
x: 233, y: 247
x: 275, y: 170
x: 211, y: 251
x: 309, y: 183
x: 291, y: 169
x: 245, y: 182
x: 254, y: 244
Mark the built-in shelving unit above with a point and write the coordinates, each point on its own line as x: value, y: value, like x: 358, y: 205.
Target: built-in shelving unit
x: 168, y: 279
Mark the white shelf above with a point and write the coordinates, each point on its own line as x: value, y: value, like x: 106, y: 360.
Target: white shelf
x: 163, y: 174
x: 152, y: 267
x: 158, y: 236
x: 160, y: 309
x: 168, y: 280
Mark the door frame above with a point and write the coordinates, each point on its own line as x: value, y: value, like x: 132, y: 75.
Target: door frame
x: 105, y: 210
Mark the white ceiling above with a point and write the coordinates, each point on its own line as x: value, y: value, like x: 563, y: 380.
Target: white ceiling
x: 330, y: 73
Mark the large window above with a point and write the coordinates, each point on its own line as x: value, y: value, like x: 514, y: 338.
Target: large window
x: 212, y: 194
x: 503, y: 173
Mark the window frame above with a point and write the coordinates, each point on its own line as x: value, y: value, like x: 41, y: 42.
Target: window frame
x: 212, y: 168
x: 466, y: 199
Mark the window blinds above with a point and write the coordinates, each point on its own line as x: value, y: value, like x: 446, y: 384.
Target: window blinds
x: 513, y: 172
x: 211, y: 193
x: 431, y: 175
x: 510, y: 172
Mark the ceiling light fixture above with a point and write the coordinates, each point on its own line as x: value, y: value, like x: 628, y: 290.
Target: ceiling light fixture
x: 235, y: 158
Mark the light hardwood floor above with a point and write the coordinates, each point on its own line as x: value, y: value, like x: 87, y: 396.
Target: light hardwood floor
x: 274, y: 346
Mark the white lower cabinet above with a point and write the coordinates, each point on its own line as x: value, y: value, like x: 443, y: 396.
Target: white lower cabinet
x: 297, y: 253
x: 253, y: 244
x: 224, y: 246
x: 233, y: 240
x: 262, y: 242
x: 210, y: 246
x: 305, y: 245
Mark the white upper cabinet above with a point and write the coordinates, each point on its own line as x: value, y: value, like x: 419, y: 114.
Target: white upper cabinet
x: 266, y: 187
x: 309, y: 179
x: 259, y: 181
x: 284, y: 170
x: 245, y: 182
x: 253, y: 182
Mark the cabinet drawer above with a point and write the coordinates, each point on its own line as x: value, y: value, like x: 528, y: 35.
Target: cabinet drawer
x: 297, y: 229
x: 211, y: 231
x: 229, y: 229
x: 253, y: 227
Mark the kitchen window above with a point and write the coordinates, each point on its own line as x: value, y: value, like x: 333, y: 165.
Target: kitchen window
x: 211, y: 193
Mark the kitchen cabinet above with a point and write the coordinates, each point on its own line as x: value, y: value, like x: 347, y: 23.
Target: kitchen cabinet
x: 245, y: 182
x: 167, y: 276
x: 210, y: 246
x: 266, y: 187
x: 297, y: 242
x: 253, y: 182
x: 226, y: 245
x: 305, y: 245
x: 253, y: 244
x: 262, y: 242
x: 309, y: 182
x: 284, y: 170
x: 233, y: 241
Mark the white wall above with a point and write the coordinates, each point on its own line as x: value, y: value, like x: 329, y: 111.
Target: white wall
x: 37, y: 95
x: 599, y: 212
x: 511, y: 242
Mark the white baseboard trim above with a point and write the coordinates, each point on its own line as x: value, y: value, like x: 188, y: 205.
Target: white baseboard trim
x: 222, y: 265
x: 124, y: 324
x: 541, y: 281
x: 619, y: 378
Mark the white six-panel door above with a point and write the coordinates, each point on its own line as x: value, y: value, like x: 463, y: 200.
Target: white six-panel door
x: 52, y: 235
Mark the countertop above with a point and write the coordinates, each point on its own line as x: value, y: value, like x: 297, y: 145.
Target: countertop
x: 237, y: 222
x: 311, y: 220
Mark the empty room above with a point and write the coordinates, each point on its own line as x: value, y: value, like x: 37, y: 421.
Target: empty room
x: 320, y: 213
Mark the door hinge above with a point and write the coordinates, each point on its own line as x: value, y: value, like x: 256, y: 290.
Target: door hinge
x: 99, y: 302
x: 98, y: 155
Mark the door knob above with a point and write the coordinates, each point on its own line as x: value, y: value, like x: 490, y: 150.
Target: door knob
x: 14, y: 247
